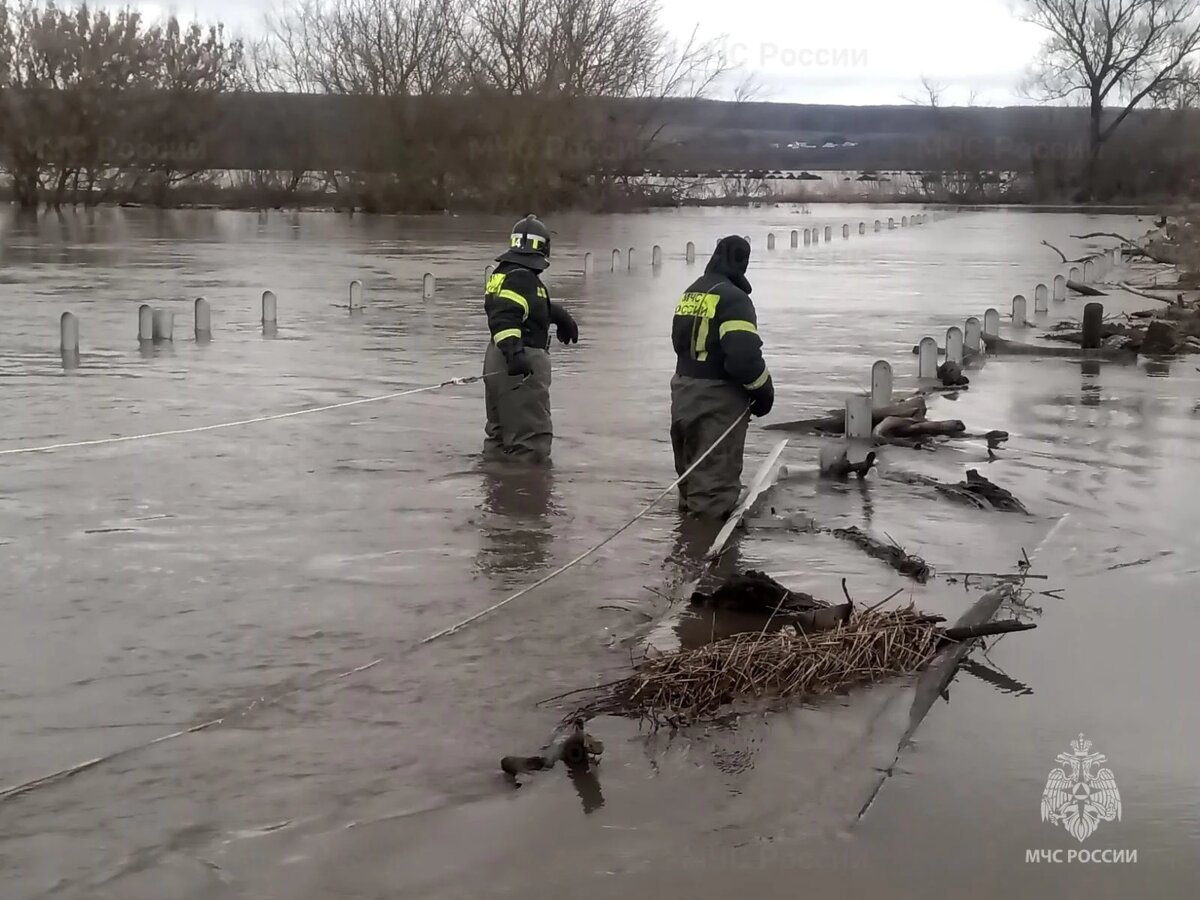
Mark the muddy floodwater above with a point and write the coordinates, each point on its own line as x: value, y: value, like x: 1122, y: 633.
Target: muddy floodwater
x: 154, y: 584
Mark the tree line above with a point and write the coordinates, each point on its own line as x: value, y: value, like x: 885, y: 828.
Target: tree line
x: 388, y: 105
x: 483, y: 102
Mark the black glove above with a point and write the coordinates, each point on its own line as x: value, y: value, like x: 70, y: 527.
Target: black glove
x: 568, y: 331
x: 518, y: 362
x: 762, y: 399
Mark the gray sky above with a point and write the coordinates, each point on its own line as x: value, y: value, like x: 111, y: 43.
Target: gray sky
x: 819, y: 51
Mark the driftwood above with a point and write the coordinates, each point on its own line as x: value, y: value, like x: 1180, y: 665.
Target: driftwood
x: 975, y: 490
x: 892, y: 554
x: 1001, y: 346
x: 950, y: 375
x: 896, y: 427
x: 1062, y: 255
x: 1158, y: 333
x: 971, y: 632
x: 834, y: 463
x: 1125, y: 286
x: 753, y: 591
x: 569, y: 744
x: 1086, y: 289
x: 834, y: 422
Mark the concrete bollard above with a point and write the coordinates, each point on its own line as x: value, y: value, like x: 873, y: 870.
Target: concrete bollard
x: 203, y: 320
x: 587, y: 266
x: 881, y: 384
x: 927, y: 357
x: 954, y: 344
x: 1118, y: 256
x: 807, y: 237
x: 268, y: 308
x: 1041, y: 294
x: 428, y: 285
x: 828, y: 233
x: 858, y: 417
x: 356, y: 295
x: 689, y: 252
x: 1093, y: 323
x: 973, y: 335
x: 1019, y: 311
x: 145, y: 324
x: 878, y: 225
x: 656, y: 256
x: 891, y: 224
x: 770, y: 240
x: 862, y: 228
x: 68, y: 340
x: 1089, y: 271
x: 164, y: 325
x: 1073, y: 274
x: 1060, y: 288
x: 629, y: 259
x: 845, y: 231
x: 616, y: 260
x: 904, y: 222
x: 991, y: 322
x: 795, y: 239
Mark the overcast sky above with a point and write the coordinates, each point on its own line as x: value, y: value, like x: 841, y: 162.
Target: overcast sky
x: 820, y: 51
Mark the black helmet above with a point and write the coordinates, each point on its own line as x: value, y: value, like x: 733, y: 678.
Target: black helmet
x: 529, y: 244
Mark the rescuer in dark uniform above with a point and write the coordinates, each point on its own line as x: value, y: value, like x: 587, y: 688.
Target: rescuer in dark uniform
x: 520, y: 313
x: 718, y: 372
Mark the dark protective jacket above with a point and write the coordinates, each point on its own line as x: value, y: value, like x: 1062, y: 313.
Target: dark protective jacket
x: 715, y: 331
x: 519, y: 308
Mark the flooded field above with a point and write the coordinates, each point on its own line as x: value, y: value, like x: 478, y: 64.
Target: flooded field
x: 154, y: 584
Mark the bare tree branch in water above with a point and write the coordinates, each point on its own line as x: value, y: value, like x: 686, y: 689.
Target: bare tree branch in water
x: 1101, y: 51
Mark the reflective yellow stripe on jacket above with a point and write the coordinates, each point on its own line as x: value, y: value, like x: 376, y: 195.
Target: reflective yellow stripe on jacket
x: 737, y: 325
x: 495, y: 285
x: 506, y: 334
x: 759, y: 381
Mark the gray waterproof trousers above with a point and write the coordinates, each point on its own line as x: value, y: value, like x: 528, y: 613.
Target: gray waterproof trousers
x: 518, y: 411
x: 701, y: 410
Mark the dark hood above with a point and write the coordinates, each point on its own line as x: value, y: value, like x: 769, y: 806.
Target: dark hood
x: 730, y: 260
x: 534, y: 261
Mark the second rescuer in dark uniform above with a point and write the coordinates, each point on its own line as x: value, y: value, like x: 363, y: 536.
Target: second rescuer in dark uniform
x: 520, y: 313
x: 718, y: 371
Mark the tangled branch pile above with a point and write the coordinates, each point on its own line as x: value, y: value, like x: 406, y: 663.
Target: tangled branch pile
x: 891, y: 553
x: 696, y: 684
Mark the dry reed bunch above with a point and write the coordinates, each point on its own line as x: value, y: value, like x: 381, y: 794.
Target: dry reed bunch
x: 690, y: 685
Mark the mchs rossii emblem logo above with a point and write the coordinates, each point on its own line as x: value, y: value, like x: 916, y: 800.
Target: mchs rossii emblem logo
x: 1082, y: 793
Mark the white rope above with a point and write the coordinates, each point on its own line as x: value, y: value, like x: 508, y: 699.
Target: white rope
x: 287, y: 415
x: 588, y: 552
x: 26, y: 786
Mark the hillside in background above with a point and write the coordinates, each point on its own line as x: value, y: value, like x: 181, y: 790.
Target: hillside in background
x: 263, y: 130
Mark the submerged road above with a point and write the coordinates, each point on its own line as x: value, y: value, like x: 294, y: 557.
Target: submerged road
x: 151, y: 586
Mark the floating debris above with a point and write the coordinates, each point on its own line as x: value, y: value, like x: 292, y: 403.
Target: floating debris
x: 791, y: 664
x: 975, y: 490
x: 571, y: 745
x: 892, y: 554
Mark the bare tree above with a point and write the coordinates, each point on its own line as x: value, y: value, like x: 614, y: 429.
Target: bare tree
x: 64, y: 72
x: 1101, y: 51
x: 194, y: 70
x: 932, y: 90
